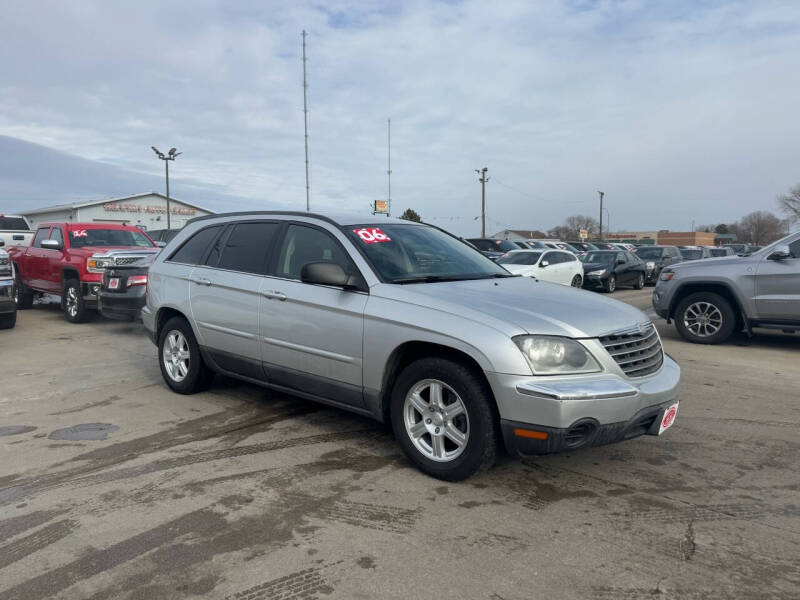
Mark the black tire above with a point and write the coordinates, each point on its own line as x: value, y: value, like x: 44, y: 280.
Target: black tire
x: 610, y: 284
x: 8, y: 320
x: 72, y: 304
x: 639, y: 282
x: 724, y: 308
x: 480, y: 449
x: 198, y: 376
x: 577, y: 281
x: 23, y: 296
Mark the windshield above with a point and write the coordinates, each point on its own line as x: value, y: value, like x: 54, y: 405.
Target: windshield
x: 599, y: 257
x: 690, y: 254
x: 645, y: 253
x: 520, y: 258
x: 402, y: 253
x: 82, y: 238
x: 493, y: 245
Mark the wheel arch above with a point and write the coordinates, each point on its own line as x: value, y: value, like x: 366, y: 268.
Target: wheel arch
x: 410, y: 351
x: 716, y: 287
x: 164, y: 314
x: 68, y: 273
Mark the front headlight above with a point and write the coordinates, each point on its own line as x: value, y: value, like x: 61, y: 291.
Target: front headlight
x: 599, y: 273
x: 650, y: 265
x: 97, y: 265
x: 556, y: 355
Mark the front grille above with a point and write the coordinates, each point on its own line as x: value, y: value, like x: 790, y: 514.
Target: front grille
x: 637, y: 353
x: 126, y: 260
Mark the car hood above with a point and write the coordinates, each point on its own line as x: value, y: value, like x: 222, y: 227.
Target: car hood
x: 520, y: 305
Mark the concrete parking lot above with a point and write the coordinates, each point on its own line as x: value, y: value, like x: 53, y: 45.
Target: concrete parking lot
x: 111, y: 486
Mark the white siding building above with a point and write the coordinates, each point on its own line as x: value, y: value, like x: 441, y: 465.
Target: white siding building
x: 147, y: 211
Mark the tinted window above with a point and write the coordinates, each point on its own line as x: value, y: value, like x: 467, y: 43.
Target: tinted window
x: 630, y: 257
x: 17, y: 223
x: 246, y: 247
x: 303, y: 245
x: 41, y: 234
x: 519, y: 258
x: 55, y: 234
x: 193, y: 250
x: 82, y: 238
x: 649, y: 253
x: 691, y: 254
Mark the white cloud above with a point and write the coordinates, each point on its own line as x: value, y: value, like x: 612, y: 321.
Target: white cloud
x: 678, y: 111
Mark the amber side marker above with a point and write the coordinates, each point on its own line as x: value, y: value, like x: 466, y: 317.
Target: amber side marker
x: 527, y: 433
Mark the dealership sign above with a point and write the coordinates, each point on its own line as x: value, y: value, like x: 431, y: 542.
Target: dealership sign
x: 149, y: 208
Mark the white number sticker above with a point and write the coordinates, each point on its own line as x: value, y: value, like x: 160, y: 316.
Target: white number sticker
x: 372, y: 235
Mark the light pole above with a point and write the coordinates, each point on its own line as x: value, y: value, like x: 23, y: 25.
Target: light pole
x: 483, y: 179
x: 608, y: 220
x: 171, y: 155
x: 601, y: 214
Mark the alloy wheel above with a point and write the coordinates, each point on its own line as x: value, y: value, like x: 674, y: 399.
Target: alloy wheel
x: 72, y: 302
x: 436, y: 420
x: 176, y: 355
x: 702, y: 319
x: 577, y: 281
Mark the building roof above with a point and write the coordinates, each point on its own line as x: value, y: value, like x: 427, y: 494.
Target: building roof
x: 74, y: 205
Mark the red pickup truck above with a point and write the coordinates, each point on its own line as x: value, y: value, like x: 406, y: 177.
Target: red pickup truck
x: 68, y: 259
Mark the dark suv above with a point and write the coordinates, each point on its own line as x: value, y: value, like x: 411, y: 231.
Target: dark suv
x: 655, y: 258
x: 493, y: 248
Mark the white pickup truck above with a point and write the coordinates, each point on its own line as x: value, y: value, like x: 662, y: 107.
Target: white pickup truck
x: 15, y: 230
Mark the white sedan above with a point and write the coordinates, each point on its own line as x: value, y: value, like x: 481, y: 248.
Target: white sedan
x: 548, y: 265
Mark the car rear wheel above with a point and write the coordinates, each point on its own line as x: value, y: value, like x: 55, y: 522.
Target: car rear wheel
x: 577, y: 281
x: 72, y: 303
x: 179, y: 357
x: 443, y: 419
x: 22, y: 296
x: 705, y: 318
x: 611, y: 283
x: 639, y: 282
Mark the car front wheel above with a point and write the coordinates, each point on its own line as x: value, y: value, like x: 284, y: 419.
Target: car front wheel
x: 72, y: 304
x: 443, y: 419
x: 639, y: 282
x: 179, y: 357
x: 705, y: 318
x: 577, y: 281
x: 611, y: 283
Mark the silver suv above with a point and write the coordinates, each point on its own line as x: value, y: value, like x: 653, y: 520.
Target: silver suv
x: 405, y: 323
x: 710, y: 299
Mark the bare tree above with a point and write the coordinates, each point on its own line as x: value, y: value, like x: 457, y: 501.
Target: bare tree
x: 790, y: 203
x: 570, y: 230
x: 760, y: 227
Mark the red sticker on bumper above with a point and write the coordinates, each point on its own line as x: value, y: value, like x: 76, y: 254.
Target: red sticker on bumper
x: 372, y: 235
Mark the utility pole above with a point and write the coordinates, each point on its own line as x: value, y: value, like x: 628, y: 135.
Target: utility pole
x: 483, y: 179
x: 171, y: 155
x: 389, y: 167
x: 601, y: 213
x: 305, y: 120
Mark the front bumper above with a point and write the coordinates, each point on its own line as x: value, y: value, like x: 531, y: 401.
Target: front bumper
x: 89, y: 291
x: 594, y: 281
x: 7, y: 304
x: 606, y: 406
x: 115, y: 305
x: 661, y: 299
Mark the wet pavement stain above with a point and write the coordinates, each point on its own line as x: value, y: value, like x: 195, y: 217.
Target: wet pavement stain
x: 15, y: 429
x: 84, y: 432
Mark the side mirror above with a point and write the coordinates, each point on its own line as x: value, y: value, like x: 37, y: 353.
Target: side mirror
x: 161, y: 244
x: 544, y: 263
x: 780, y: 252
x: 326, y: 273
x: 2, y: 242
x: 51, y: 244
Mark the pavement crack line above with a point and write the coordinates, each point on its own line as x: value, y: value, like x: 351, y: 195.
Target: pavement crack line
x: 688, y: 545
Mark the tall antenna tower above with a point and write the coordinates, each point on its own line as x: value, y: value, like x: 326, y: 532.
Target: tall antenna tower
x: 389, y: 165
x: 305, y: 120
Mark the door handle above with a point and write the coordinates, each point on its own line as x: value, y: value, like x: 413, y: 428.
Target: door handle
x: 201, y: 281
x: 275, y: 296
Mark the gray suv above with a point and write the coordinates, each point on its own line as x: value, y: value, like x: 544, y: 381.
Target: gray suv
x: 404, y: 323
x: 710, y: 299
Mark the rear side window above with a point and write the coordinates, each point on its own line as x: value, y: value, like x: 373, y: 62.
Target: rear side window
x: 246, y: 248
x: 193, y: 250
x: 41, y: 235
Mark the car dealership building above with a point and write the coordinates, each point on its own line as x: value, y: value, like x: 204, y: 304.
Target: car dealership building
x: 148, y: 211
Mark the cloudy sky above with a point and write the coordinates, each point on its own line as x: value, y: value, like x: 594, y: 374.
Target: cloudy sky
x: 679, y: 111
